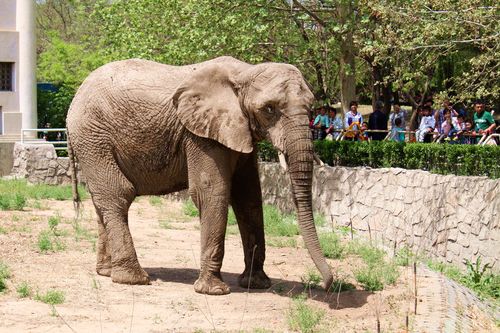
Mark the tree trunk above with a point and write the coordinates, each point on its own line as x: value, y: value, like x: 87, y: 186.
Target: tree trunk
x: 347, y: 63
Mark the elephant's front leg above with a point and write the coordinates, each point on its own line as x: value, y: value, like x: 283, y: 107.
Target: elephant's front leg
x: 209, y: 170
x: 246, y: 199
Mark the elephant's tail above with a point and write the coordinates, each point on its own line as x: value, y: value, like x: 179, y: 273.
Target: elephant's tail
x: 74, y: 179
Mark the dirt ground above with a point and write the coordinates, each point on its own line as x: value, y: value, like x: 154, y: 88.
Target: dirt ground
x: 167, y: 243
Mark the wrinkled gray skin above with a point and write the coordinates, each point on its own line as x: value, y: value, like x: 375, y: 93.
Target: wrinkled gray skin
x: 142, y: 128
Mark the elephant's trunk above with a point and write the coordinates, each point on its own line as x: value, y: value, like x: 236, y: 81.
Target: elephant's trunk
x: 299, y: 151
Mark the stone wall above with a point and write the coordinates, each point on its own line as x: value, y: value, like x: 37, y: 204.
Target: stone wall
x: 450, y: 217
x: 6, y: 149
x: 39, y: 164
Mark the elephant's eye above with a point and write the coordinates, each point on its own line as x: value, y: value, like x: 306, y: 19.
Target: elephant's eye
x: 269, y: 109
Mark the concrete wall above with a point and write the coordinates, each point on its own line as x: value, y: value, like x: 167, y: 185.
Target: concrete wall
x: 449, y: 217
x: 6, y: 158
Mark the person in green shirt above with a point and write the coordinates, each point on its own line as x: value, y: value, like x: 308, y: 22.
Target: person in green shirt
x: 483, y: 120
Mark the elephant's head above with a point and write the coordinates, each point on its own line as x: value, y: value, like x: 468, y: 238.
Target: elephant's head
x: 239, y: 104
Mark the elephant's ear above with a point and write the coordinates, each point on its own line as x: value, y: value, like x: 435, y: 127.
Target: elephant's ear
x: 207, y: 105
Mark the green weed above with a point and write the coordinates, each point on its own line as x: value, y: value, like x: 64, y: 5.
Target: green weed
x: 12, y: 201
x: 155, y: 201
x: 4, y: 275
x: 44, y: 241
x: 23, y: 290
x: 374, y: 277
x: 39, y: 191
x: 331, y: 246
x: 231, y: 217
x: 404, y: 257
x: 51, y: 297
x: 311, y: 279
x: 82, y: 232
x: 304, y: 318
x: 3, y: 230
x: 319, y: 220
x: 279, y: 224
x: 282, y: 242
x: 340, y: 284
x: 190, y: 209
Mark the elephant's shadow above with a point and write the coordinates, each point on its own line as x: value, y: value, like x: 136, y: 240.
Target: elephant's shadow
x: 284, y: 288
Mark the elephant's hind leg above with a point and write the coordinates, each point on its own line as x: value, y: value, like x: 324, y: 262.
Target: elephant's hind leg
x: 112, y: 195
x: 246, y: 199
x: 103, y: 266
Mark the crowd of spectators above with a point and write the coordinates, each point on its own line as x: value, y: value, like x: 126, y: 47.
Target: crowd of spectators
x: 445, y: 124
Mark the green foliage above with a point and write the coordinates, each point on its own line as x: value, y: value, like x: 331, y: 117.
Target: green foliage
x: 304, y: 318
x: 376, y: 272
x: 155, y: 201
x: 331, y: 246
x: 469, y: 160
x: 281, y: 242
x: 23, y: 191
x: 311, y: 279
x: 277, y: 223
x: 12, y: 201
x: 404, y: 257
x: 190, y: 209
x: 51, y: 297
x: 267, y: 152
x: 48, y: 240
x: 4, y: 275
x: 44, y: 241
x: 231, y: 217
x: 340, y: 284
x: 24, y: 290
x: 52, y: 107
x: 479, y: 278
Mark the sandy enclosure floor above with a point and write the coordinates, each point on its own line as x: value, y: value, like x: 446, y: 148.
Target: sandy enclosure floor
x: 167, y: 244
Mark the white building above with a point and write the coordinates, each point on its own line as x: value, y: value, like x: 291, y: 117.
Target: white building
x: 17, y: 67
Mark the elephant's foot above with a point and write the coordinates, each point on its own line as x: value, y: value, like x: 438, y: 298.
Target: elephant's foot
x: 129, y: 276
x: 259, y: 280
x: 211, y: 284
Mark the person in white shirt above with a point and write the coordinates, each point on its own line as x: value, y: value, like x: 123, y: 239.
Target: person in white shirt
x: 427, y: 124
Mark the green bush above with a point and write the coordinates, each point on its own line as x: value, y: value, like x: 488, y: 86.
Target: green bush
x: 467, y: 160
x: 331, y: 246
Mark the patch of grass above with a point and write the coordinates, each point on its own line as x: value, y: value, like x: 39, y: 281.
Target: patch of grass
x: 344, y: 230
x: 278, y: 224
x: 4, y: 275
x: 304, y: 318
x: 375, y: 276
x: 155, y: 201
x: 231, y: 217
x: 282, y: 242
x: 232, y: 230
x: 331, y: 246
x: 404, y: 257
x: 38, y: 191
x: 12, y: 201
x: 44, y: 241
x: 189, y: 208
x: 3, y: 230
x: 480, y: 278
x: 370, y: 254
x: 319, y: 220
x: 311, y: 279
x: 51, y: 297
x: 23, y: 290
x: 340, y: 284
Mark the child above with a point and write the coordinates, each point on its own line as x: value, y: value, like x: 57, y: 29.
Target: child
x: 395, y: 135
x: 427, y: 124
x: 363, y: 136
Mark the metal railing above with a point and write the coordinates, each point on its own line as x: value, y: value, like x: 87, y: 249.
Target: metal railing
x: 59, y: 144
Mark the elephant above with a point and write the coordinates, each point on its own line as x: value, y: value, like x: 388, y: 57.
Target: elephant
x: 137, y: 127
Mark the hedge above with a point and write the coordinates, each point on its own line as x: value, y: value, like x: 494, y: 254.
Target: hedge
x: 458, y: 159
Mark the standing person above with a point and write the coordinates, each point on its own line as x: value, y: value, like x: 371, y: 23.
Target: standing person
x: 397, y: 113
x: 336, y: 124
x: 321, y: 123
x: 483, y: 120
x: 378, y: 121
x: 352, y: 121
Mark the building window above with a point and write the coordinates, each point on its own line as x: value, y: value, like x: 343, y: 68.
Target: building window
x: 6, y: 69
